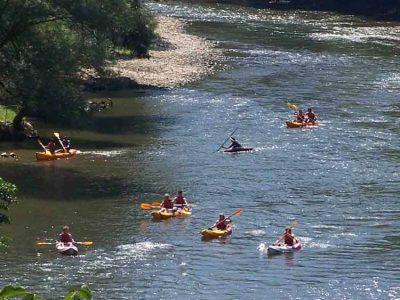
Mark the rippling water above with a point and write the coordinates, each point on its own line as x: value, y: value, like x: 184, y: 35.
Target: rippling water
x: 340, y: 180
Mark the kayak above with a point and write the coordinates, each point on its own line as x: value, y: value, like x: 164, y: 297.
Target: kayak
x: 215, y: 233
x: 297, y: 124
x: 165, y: 214
x: 57, y: 155
x: 236, y: 149
x: 283, y: 248
x: 66, y: 248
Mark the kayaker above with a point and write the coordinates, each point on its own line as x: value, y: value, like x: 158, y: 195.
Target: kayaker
x: 287, y: 237
x: 180, y: 201
x: 311, y: 117
x: 222, y: 223
x: 65, y: 237
x: 234, y: 144
x: 167, y: 204
x: 300, y: 117
x: 51, y: 146
x: 66, y: 143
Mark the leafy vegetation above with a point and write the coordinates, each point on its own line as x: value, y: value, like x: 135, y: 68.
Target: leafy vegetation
x: 7, y: 196
x: 12, y: 292
x: 6, y: 114
x: 47, y: 47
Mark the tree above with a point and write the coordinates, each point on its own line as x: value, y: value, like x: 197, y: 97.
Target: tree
x: 10, y: 292
x: 7, y: 196
x: 46, y: 48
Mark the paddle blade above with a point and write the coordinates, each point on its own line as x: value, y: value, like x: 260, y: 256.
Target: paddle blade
x: 56, y: 134
x: 237, y: 211
x: 293, y: 106
x: 86, y: 243
x: 145, y: 206
x: 43, y: 243
x: 156, y: 204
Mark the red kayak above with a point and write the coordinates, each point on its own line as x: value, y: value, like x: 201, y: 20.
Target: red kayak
x: 238, y: 149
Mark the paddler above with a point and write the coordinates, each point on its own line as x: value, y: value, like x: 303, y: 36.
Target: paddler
x: 287, y: 237
x: 66, y: 143
x: 300, y: 117
x: 167, y: 204
x: 311, y: 117
x: 51, y: 146
x: 180, y: 201
x: 234, y: 144
x: 222, y: 223
x: 65, y: 236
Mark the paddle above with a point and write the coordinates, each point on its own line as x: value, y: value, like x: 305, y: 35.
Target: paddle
x: 237, y: 211
x: 86, y: 243
x: 57, y: 135
x: 293, y: 106
x: 41, y: 144
x: 226, y: 140
x: 150, y: 205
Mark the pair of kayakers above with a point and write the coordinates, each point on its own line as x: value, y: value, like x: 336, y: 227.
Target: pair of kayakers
x: 51, y: 145
x: 308, y: 117
x: 171, y: 205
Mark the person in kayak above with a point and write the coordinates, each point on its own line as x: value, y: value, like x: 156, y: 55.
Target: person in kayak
x: 51, y: 146
x: 222, y: 223
x: 287, y: 237
x: 234, y: 144
x: 65, y: 236
x: 167, y: 204
x: 311, y: 117
x: 66, y: 143
x: 300, y: 117
x: 180, y: 201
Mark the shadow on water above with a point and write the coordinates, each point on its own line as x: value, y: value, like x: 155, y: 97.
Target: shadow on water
x: 58, y: 184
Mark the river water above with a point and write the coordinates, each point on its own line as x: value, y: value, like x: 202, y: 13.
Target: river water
x: 339, y: 180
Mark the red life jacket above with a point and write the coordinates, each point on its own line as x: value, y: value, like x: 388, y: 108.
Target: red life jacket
x: 289, y: 240
x: 180, y: 200
x: 65, y: 238
x: 222, y: 225
x: 168, y: 204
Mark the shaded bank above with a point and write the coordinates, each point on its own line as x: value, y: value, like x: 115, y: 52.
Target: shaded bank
x: 380, y: 9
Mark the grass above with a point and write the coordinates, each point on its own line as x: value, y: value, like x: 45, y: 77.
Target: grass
x: 6, y: 114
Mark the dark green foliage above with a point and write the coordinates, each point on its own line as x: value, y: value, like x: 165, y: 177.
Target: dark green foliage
x: 7, y: 196
x: 47, y: 46
x: 13, y: 292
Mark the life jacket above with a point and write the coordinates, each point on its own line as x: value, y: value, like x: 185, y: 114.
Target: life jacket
x: 300, y: 118
x: 180, y: 200
x: 311, y: 117
x: 65, y: 238
x: 222, y: 225
x: 289, y: 240
x: 167, y: 203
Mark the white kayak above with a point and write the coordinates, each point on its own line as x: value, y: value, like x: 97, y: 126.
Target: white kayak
x: 283, y: 248
x: 66, y: 248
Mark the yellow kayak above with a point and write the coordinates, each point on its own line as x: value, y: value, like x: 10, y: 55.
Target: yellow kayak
x: 165, y: 214
x: 215, y: 233
x: 57, y: 155
x: 297, y: 124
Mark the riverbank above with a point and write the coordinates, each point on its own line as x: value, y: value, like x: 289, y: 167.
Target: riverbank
x: 178, y: 58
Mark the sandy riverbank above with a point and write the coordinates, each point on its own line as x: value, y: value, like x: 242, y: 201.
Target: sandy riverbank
x: 178, y: 58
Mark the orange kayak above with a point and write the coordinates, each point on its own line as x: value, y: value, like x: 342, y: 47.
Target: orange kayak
x: 57, y: 155
x: 297, y: 124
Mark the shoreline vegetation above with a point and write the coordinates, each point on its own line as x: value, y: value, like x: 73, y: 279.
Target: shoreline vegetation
x: 175, y: 58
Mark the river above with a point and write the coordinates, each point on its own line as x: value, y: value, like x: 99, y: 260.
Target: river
x: 339, y: 180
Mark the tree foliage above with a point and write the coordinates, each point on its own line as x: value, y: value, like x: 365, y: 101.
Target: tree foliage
x: 7, y: 196
x: 12, y: 292
x: 47, y: 46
